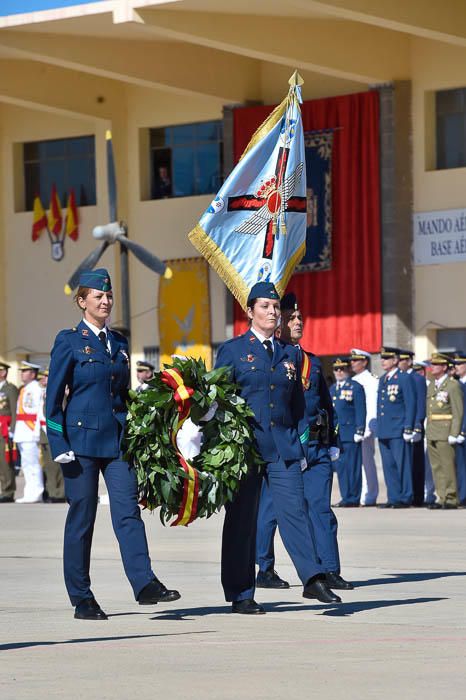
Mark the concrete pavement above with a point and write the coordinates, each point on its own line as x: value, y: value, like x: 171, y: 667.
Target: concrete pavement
x: 402, y: 632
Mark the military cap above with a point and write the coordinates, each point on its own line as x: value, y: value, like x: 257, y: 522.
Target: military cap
x: 357, y: 354
x: 28, y: 365
x: 341, y: 363
x: 262, y: 290
x: 440, y: 358
x: 405, y: 354
x: 419, y: 364
x: 43, y: 372
x: 141, y: 365
x: 96, y: 279
x: 387, y: 353
x: 3, y: 365
x: 289, y: 302
x: 460, y: 357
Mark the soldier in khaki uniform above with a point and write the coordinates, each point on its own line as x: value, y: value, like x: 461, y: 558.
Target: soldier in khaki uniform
x: 54, y: 491
x: 444, y: 418
x: 8, y: 399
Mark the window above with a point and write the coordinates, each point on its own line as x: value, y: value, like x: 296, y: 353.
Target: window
x: 152, y: 354
x: 451, y: 339
x: 450, y: 109
x: 67, y: 163
x: 186, y: 160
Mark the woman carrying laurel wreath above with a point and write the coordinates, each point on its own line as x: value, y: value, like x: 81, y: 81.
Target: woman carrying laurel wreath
x: 92, y: 362
x: 267, y: 373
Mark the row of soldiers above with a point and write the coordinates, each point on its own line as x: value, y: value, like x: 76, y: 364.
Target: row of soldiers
x: 419, y: 422
x: 23, y: 429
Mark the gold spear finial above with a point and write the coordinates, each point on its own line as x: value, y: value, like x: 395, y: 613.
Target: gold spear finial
x: 295, y: 80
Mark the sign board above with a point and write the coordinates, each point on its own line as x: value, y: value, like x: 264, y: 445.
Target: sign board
x: 439, y: 237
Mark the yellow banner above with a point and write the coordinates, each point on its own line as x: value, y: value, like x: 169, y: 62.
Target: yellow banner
x: 184, y: 311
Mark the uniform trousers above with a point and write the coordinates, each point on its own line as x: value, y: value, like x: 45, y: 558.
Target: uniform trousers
x: 461, y: 472
x: 429, y: 486
x: 442, y: 459
x: 7, y: 473
x: 285, y: 482
x: 81, y: 489
x: 53, y: 475
x: 322, y: 523
x: 419, y: 470
x: 32, y: 471
x: 397, y: 469
x: 370, y: 481
x: 349, y: 471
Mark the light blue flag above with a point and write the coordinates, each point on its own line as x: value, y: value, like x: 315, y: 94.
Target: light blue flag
x: 255, y: 228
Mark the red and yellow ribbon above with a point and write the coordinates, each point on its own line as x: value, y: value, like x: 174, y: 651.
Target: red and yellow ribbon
x: 182, y: 395
x: 306, y: 371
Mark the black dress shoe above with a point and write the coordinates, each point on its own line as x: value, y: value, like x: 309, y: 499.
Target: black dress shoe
x: 156, y: 592
x: 401, y: 505
x: 434, y: 506
x: 334, y: 580
x: 449, y: 506
x: 270, y: 579
x: 385, y: 505
x: 343, y: 504
x: 89, y: 609
x: 53, y: 499
x: 7, y: 499
x: 317, y: 588
x: 247, y: 607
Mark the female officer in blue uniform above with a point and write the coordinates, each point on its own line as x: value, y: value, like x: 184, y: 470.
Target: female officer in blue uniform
x: 268, y: 375
x: 92, y: 362
x: 349, y: 404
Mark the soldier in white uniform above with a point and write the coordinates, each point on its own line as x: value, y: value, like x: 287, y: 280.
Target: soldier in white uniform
x: 27, y: 433
x: 370, y: 483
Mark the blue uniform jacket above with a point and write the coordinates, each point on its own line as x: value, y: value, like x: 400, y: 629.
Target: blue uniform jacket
x: 396, y: 405
x: 273, y: 390
x: 317, y: 399
x: 349, y: 403
x: 463, y: 425
x: 92, y: 423
x: 420, y: 386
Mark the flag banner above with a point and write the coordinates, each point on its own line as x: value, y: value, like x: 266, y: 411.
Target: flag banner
x: 39, y: 219
x: 255, y: 228
x: 72, y: 219
x: 184, y: 311
x: 55, y: 215
x: 319, y: 151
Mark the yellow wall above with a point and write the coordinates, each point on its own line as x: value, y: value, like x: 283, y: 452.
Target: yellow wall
x: 439, y: 289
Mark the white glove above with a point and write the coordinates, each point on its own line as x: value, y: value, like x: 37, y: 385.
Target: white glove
x: 65, y: 457
x: 367, y: 433
x: 303, y: 464
x: 452, y: 440
x: 334, y: 453
x: 460, y: 439
x: 417, y: 437
x: 408, y: 437
x: 11, y: 435
x: 358, y: 438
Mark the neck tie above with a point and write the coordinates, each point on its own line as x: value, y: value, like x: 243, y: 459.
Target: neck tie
x: 103, y: 340
x: 268, y: 346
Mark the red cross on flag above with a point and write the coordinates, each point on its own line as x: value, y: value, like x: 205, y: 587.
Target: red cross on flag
x: 255, y: 228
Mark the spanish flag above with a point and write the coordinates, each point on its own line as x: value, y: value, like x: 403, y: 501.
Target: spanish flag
x: 39, y: 219
x: 72, y: 220
x: 55, y: 216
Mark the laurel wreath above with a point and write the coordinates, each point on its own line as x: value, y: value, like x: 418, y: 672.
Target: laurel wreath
x: 227, y: 450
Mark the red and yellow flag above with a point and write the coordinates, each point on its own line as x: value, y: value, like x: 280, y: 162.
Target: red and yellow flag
x: 39, y: 219
x: 72, y: 220
x: 55, y: 215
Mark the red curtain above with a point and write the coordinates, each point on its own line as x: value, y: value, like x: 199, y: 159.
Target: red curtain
x: 342, y: 307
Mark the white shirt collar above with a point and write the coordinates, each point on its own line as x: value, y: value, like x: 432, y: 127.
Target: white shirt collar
x: 463, y: 380
x: 2, y: 383
x: 95, y: 329
x: 261, y: 337
x: 439, y: 382
x: 392, y: 372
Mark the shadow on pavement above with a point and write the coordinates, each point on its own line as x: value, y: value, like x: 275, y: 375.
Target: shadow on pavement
x: 84, y: 640
x: 339, y: 610
x: 407, y: 578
